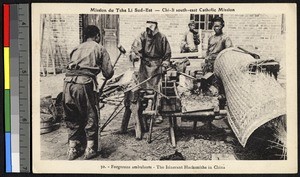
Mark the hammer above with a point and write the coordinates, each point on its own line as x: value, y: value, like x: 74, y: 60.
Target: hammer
x: 122, y: 51
x: 254, y: 55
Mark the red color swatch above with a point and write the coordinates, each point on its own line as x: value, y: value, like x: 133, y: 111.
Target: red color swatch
x: 6, y: 21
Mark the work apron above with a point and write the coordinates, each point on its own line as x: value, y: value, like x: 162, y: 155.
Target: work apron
x: 150, y: 67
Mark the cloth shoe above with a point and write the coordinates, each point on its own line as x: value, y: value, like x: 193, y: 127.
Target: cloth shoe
x: 73, y: 150
x: 90, y: 151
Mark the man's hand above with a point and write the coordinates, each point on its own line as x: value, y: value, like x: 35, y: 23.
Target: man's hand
x: 133, y: 57
x: 165, y: 64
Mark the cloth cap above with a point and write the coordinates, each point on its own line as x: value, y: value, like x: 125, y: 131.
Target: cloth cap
x: 151, y: 26
x: 191, y: 23
x: 151, y: 22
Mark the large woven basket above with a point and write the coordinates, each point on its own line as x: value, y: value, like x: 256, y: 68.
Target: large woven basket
x: 253, y: 99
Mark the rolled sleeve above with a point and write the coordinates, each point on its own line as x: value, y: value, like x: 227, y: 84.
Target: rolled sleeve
x: 106, y: 66
x: 136, y: 47
x: 228, y: 43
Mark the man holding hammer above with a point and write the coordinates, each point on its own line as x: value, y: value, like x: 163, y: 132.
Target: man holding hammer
x: 80, y: 97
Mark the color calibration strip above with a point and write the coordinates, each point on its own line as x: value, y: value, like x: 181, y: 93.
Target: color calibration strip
x: 17, y: 87
x: 7, y: 117
x: 14, y: 88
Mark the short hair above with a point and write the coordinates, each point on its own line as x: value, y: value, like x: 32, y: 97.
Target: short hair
x: 91, y: 31
x: 218, y: 19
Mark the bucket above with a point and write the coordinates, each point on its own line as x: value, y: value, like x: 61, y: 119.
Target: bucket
x: 47, y: 124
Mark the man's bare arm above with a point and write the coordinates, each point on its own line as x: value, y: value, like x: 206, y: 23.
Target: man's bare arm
x: 107, y: 68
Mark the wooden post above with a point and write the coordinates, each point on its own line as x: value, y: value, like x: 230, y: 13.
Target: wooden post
x: 125, y: 120
x: 150, y: 129
x: 47, y: 58
x: 195, y: 125
x: 52, y: 56
x: 42, y: 42
x: 172, y: 131
x: 138, y: 127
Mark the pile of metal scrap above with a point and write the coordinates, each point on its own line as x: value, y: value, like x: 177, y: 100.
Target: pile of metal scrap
x: 113, y: 92
x: 253, y: 98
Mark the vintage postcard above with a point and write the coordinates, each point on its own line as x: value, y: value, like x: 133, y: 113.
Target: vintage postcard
x: 164, y: 88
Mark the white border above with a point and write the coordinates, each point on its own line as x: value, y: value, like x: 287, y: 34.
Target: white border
x: 239, y: 166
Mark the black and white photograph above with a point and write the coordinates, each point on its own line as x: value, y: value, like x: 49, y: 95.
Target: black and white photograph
x: 153, y: 88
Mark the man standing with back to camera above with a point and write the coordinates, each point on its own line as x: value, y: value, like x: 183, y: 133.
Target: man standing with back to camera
x: 80, y: 97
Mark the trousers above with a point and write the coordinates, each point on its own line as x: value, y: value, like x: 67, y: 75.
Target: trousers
x: 216, y: 82
x: 81, y: 106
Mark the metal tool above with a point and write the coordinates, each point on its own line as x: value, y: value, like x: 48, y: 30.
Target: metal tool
x: 112, y: 116
x: 250, y: 53
x: 186, y: 75
x: 129, y: 89
x: 163, y: 95
x: 122, y: 51
x: 100, y: 129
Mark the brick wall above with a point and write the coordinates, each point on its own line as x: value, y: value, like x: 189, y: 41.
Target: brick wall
x: 60, y: 36
x: 173, y: 26
x: 260, y: 33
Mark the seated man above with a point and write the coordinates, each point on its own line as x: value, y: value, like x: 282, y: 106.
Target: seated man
x: 216, y: 43
x: 190, y: 40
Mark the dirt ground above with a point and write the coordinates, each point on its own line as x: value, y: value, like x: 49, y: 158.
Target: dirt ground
x: 199, y: 144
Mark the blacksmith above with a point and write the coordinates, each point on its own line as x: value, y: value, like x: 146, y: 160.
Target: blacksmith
x: 80, y: 100
x: 153, y: 50
x: 216, y: 43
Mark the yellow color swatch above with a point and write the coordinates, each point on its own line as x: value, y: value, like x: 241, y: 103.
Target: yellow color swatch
x: 6, y: 68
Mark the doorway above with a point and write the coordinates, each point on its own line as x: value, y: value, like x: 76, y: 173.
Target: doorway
x: 109, y: 30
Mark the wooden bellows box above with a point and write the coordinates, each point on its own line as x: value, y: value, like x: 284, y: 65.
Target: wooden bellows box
x: 173, y: 102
